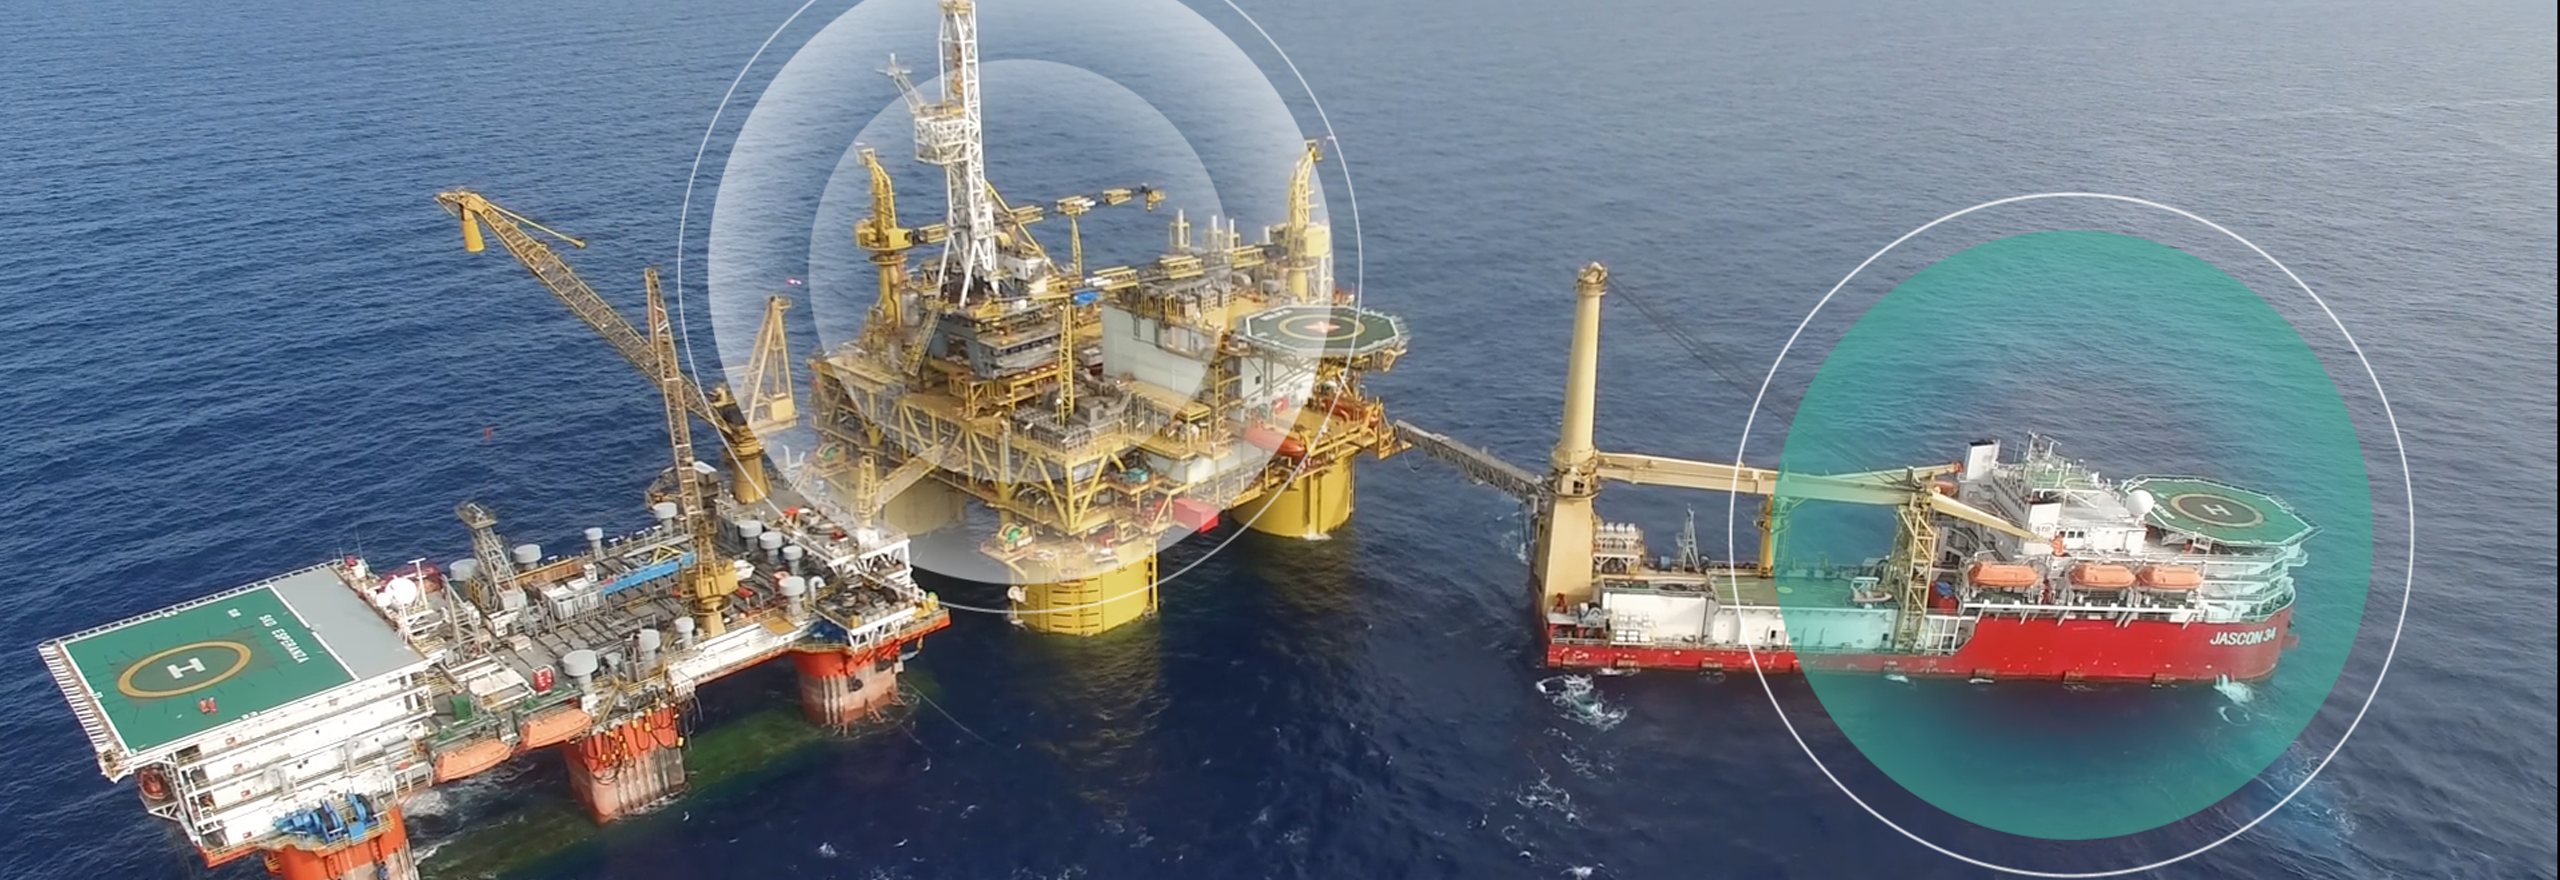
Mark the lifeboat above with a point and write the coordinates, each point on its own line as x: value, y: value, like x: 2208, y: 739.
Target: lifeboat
x: 2097, y: 576
x: 470, y: 759
x: 555, y: 726
x: 1346, y: 410
x: 2171, y: 577
x: 2001, y: 576
x: 1272, y: 439
x: 155, y: 783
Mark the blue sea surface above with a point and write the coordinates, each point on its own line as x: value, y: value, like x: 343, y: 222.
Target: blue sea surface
x: 243, y: 339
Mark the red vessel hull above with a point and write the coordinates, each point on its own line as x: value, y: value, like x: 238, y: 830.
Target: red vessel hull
x: 2001, y: 648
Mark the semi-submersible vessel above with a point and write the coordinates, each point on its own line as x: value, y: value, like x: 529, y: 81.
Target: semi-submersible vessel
x: 2034, y: 568
x: 1100, y: 413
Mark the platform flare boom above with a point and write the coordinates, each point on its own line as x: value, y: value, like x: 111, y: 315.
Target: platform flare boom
x: 2037, y: 568
x: 1100, y: 413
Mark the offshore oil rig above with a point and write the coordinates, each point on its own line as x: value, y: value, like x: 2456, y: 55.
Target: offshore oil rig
x: 2036, y: 568
x: 1100, y: 413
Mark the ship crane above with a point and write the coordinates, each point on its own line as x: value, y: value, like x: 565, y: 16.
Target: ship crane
x: 1568, y: 527
x: 769, y: 406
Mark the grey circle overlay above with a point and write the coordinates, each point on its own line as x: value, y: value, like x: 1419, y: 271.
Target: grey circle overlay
x: 736, y: 302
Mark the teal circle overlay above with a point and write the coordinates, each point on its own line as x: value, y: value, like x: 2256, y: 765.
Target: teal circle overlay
x: 2139, y: 359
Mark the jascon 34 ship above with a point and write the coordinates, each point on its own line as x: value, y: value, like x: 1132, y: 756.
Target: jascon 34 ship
x: 2037, y: 568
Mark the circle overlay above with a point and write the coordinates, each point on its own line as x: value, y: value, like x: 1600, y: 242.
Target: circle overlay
x: 2402, y: 461
x: 1333, y: 156
x: 2102, y: 337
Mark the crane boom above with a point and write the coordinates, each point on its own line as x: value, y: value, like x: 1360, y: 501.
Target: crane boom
x: 745, y: 449
x: 563, y: 282
x: 706, y: 579
x: 1885, y: 487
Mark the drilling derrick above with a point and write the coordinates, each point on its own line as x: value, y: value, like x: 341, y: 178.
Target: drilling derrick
x: 1100, y: 413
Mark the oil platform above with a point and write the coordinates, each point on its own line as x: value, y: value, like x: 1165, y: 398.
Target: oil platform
x: 1100, y: 413
x: 2036, y: 568
x: 289, y: 718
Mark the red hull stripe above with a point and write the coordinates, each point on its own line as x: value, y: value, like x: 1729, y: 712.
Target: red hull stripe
x: 2004, y: 648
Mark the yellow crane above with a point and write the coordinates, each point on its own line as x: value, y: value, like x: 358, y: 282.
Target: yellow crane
x: 770, y: 405
x: 1568, y: 526
x: 708, y: 582
x: 1299, y: 238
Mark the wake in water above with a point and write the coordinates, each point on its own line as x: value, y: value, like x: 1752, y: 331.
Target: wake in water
x: 1544, y: 795
x: 2238, y: 692
x: 461, y: 800
x: 2315, y: 824
x: 1575, y: 695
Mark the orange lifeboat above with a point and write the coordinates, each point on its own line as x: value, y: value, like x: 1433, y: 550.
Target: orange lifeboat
x: 2095, y: 576
x: 556, y: 726
x: 1274, y: 440
x: 470, y: 759
x: 155, y: 783
x: 2001, y: 576
x: 2171, y: 577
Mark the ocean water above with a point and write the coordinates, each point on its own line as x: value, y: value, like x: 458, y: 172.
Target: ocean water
x: 243, y: 338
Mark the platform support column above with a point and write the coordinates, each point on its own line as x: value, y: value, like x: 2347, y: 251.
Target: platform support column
x: 1093, y: 604
x: 1311, y: 506
x: 383, y: 856
x: 630, y: 767
x: 840, y: 688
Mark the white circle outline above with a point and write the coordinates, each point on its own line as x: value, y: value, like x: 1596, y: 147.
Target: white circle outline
x: 1359, y: 277
x: 2408, y: 489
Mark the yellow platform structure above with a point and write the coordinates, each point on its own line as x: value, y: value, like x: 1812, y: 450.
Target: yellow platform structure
x: 925, y: 508
x: 1310, y: 507
x: 1097, y: 411
x: 1087, y: 605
